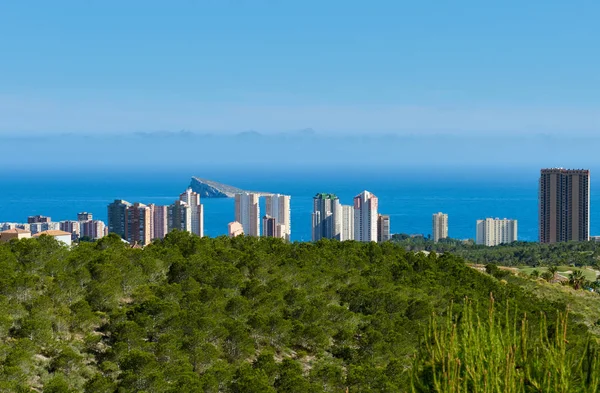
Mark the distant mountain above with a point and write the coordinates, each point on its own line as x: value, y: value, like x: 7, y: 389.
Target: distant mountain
x: 212, y: 189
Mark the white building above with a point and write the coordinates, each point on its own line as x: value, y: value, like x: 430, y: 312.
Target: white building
x: 347, y: 220
x: 235, y: 229
x: 492, y: 232
x: 61, y: 236
x: 439, y: 226
x: 39, y: 227
x: 247, y: 212
x: 196, y: 210
x: 278, y: 207
x: 365, y: 217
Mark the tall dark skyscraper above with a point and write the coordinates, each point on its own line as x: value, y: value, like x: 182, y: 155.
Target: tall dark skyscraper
x: 564, y: 205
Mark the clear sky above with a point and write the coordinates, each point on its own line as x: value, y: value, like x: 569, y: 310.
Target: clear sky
x: 463, y: 66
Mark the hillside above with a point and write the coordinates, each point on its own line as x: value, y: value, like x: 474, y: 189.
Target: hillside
x: 191, y: 314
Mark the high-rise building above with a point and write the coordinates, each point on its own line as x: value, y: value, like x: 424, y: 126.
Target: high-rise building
x: 365, y: 217
x: 93, y: 229
x: 439, y: 226
x: 326, y: 217
x: 347, y: 220
x: 269, y: 226
x: 247, y: 212
x: 196, y: 210
x: 180, y: 216
x: 383, y: 228
x: 564, y: 205
x: 38, y: 227
x: 495, y: 231
x: 84, y: 216
x: 160, y: 221
x: 278, y: 207
x: 235, y: 229
x: 137, y: 224
x: 73, y: 227
x: 117, y: 217
x: 38, y: 219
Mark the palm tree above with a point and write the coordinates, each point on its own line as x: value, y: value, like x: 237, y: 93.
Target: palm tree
x: 576, y: 279
x: 553, y: 270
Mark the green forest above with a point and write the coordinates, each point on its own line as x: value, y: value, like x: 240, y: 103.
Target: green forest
x: 513, y: 254
x: 190, y: 314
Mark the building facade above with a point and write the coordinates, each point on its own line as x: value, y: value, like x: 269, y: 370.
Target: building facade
x: 564, y: 205
x: 160, y: 221
x: 117, y: 212
x: 347, y: 222
x: 365, y: 217
x: 14, y: 233
x: 247, y: 212
x: 196, y: 210
x: 495, y: 231
x: 179, y: 217
x: 73, y: 227
x: 326, y: 217
x: 235, y: 229
x: 138, y: 218
x: 93, y: 229
x: 38, y: 219
x: 278, y: 207
x: 383, y: 228
x: 84, y: 216
x: 439, y: 227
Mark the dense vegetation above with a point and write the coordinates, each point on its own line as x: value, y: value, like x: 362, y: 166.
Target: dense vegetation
x: 513, y: 254
x: 191, y: 314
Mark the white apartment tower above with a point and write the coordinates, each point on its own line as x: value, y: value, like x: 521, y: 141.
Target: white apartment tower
x: 365, y: 217
x: 347, y: 232
x: 439, y: 226
x: 492, y: 232
x: 196, y: 210
x: 278, y: 207
x: 247, y: 212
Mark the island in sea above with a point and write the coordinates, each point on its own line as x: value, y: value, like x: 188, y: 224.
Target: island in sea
x: 212, y: 189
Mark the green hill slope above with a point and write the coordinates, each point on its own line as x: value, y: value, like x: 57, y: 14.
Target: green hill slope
x: 191, y: 314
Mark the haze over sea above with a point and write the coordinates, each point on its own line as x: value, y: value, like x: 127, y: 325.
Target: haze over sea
x: 410, y: 197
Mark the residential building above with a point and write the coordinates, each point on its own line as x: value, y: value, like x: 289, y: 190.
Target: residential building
x: 14, y: 233
x: 564, y: 205
x: 326, y: 217
x: 235, y: 229
x: 38, y: 227
x: 73, y: 227
x: 269, y: 225
x: 37, y: 219
x: 93, y: 229
x: 347, y: 220
x: 138, y: 218
x: 383, y: 228
x: 196, y: 210
x: 495, y: 231
x: 117, y: 217
x: 84, y: 216
x: 61, y: 236
x: 180, y: 217
x: 365, y: 217
x: 439, y: 226
x: 160, y: 221
x: 278, y: 207
x: 247, y: 212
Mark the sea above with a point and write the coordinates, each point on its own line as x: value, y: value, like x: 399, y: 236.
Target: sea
x: 408, y: 195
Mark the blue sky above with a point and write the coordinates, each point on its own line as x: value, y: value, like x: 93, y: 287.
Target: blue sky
x: 459, y: 67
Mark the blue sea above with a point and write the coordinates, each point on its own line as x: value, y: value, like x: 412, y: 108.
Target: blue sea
x: 409, y: 197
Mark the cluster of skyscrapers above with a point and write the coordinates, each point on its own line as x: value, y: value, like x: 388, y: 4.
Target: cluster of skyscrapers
x: 360, y: 221
x: 275, y: 223
x: 564, y: 212
x: 139, y: 224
